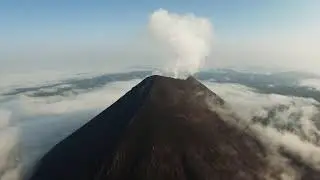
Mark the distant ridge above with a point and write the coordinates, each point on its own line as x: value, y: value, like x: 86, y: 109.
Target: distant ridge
x: 162, y: 129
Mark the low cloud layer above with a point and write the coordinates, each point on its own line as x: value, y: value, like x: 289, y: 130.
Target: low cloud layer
x: 311, y: 83
x: 286, y: 125
x: 30, y: 126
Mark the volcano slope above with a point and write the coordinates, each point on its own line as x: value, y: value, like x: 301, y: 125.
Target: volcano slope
x: 163, y: 129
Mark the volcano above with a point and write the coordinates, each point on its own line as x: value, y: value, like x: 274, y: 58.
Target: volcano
x: 162, y: 129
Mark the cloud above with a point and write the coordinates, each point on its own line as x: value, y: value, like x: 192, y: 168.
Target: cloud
x: 30, y: 126
x: 283, y: 123
x: 8, y: 148
x: 312, y: 83
x: 4, y: 118
x: 92, y: 100
x: 187, y: 37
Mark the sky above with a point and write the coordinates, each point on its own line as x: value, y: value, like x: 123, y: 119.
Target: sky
x: 104, y: 35
x: 42, y: 41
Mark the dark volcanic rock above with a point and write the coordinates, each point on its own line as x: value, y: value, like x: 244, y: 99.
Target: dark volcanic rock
x: 160, y: 130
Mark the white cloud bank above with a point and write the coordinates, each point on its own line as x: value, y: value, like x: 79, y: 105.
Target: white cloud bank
x: 31, y: 126
x: 312, y: 83
x: 283, y: 123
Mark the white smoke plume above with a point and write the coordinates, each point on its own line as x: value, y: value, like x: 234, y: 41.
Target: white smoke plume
x: 187, y: 37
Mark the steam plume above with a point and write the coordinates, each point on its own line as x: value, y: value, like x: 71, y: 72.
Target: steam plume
x: 189, y: 39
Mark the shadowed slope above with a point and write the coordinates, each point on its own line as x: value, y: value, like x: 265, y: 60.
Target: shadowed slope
x: 175, y: 136
x: 80, y: 155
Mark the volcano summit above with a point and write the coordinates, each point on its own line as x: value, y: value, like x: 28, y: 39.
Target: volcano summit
x: 165, y: 129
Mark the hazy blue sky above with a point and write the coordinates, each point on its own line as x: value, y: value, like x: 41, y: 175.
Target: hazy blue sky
x: 62, y: 29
